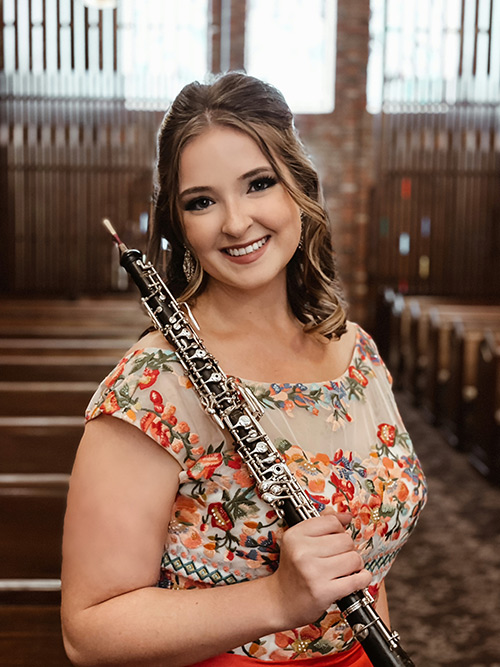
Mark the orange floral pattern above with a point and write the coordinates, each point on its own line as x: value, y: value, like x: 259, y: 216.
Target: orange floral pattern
x: 345, y: 443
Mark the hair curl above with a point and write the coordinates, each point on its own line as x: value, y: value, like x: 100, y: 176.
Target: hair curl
x: 259, y: 110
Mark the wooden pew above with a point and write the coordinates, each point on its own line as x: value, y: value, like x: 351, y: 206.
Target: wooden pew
x: 39, y: 445
x: 385, y: 301
x: 52, y: 357
x: 72, y: 319
x: 398, y: 339
x: 56, y: 368
x: 419, y: 347
x: 452, y: 338
x: 44, y: 398
x: 389, y: 331
x: 111, y: 308
x: 40, y: 426
x: 483, y: 432
x: 108, y: 347
x: 32, y: 509
x: 411, y: 317
x: 63, y: 331
x: 460, y: 391
x: 30, y: 543
x: 30, y: 636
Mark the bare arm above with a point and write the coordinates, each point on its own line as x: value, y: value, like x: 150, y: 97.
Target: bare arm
x: 121, y: 494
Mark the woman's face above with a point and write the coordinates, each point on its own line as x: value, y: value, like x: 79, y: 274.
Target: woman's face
x: 240, y: 221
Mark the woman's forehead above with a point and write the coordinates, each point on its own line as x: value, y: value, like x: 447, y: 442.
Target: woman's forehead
x: 222, y: 148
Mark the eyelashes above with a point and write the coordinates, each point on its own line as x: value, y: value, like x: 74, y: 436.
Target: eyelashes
x: 198, y: 204
x: 262, y: 183
x: 256, y: 185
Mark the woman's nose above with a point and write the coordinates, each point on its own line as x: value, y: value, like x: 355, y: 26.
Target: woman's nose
x: 236, y: 220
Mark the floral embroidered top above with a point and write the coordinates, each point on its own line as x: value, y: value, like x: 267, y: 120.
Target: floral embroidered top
x: 343, y: 439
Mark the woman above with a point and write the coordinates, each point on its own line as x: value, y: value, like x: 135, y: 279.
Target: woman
x: 154, y: 534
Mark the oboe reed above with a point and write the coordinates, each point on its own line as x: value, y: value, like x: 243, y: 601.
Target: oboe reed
x: 107, y: 223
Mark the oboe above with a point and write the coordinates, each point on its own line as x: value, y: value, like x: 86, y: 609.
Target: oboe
x: 235, y: 408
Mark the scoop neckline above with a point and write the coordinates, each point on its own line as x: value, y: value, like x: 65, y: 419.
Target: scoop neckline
x: 246, y: 381
x: 338, y: 379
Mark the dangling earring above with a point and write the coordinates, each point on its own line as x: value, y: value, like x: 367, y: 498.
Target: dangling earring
x: 301, y: 241
x: 188, y: 265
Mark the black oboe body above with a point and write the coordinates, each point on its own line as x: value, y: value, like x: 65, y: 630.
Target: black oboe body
x: 234, y: 408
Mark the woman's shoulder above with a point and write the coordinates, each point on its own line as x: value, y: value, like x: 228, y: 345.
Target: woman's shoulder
x: 151, y: 340
x: 148, y: 369
x: 364, y: 342
x: 149, y: 390
x: 366, y: 352
x: 350, y: 337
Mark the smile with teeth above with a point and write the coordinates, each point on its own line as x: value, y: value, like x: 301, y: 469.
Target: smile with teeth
x: 237, y: 252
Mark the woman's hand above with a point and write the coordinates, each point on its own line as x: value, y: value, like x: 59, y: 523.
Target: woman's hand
x: 318, y: 565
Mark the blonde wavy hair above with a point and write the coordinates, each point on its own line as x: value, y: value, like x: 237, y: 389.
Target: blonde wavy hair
x: 259, y: 110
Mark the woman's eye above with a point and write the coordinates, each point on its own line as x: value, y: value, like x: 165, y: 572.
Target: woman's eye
x: 262, y: 183
x: 198, y: 204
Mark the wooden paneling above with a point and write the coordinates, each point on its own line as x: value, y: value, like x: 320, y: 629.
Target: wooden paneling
x: 72, y: 148
x: 436, y: 200
x: 68, y: 164
x: 439, y: 183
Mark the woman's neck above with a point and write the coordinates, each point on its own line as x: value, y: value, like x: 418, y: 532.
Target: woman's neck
x: 257, y: 337
x: 221, y: 309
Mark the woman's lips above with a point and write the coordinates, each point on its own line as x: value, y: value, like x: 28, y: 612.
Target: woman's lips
x: 247, y: 253
x: 239, y: 250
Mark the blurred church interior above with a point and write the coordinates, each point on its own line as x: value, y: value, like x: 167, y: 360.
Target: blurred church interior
x: 399, y: 106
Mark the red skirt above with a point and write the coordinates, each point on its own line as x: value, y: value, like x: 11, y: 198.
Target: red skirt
x: 355, y: 657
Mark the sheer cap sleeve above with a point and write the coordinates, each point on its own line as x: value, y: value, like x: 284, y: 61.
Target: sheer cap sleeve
x: 149, y: 390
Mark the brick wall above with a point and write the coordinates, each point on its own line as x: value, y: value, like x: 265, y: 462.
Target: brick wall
x: 341, y: 146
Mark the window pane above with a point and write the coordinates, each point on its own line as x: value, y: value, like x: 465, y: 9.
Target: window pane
x: 417, y: 47
x: 291, y: 44
x: 163, y: 47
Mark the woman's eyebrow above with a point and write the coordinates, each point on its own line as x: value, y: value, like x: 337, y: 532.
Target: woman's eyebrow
x: 255, y: 172
x: 196, y: 189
